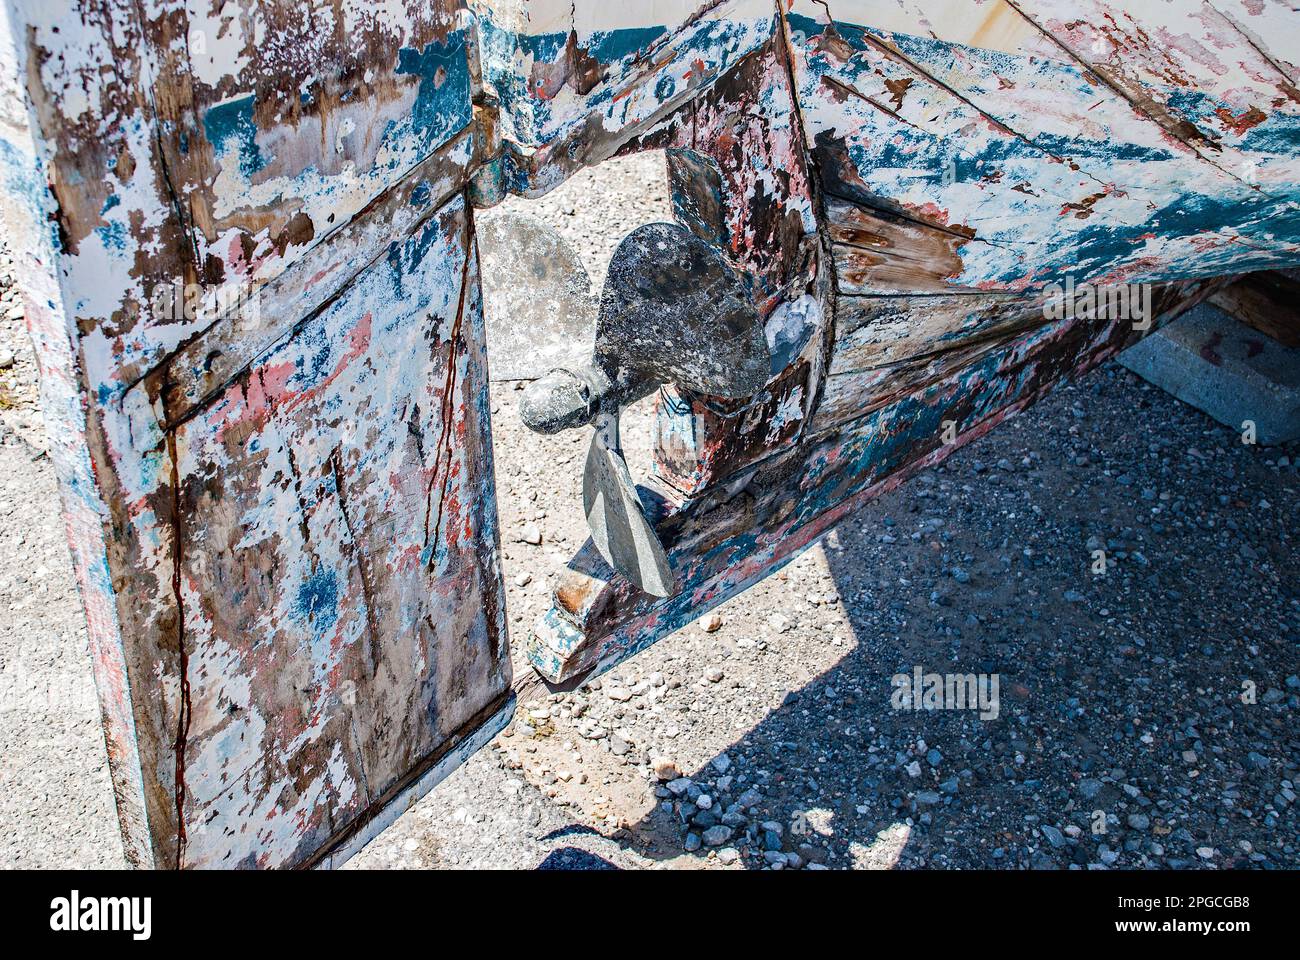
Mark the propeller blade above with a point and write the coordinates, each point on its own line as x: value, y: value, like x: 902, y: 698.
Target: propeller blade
x: 675, y: 310
x: 616, y: 516
x: 537, y: 301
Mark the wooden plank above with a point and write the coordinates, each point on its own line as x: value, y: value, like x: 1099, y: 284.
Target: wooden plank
x: 1024, y: 149
x: 278, y: 128
x: 210, y: 358
x: 1187, y: 66
x: 249, y: 146
x: 576, y: 81
x: 879, y: 252
x: 889, y: 347
x: 1031, y: 83
x: 83, y: 135
x: 338, y: 561
x: 1269, y: 302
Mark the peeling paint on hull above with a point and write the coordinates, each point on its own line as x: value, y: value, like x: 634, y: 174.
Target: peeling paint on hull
x: 283, y: 522
x: 284, y: 518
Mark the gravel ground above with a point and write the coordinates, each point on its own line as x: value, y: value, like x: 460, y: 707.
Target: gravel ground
x: 763, y: 736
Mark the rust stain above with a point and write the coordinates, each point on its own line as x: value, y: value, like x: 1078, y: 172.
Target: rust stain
x: 1082, y: 209
x: 183, y: 713
x: 898, y: 90
x: 1240, y: 123
x: 448, y: 402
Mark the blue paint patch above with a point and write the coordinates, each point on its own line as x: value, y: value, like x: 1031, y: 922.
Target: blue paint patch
x: 112, y: 235
x: 229, y: 127
x: 22, y: 179
x: 1278, y: 135
x: 318, y: 602
x: 442, y: 102
x: 716, y: 44
x: 1268, y: 219
x: 112, y: 201
x: 610, y: 46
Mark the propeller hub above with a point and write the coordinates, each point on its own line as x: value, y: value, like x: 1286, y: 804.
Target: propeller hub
x: 672, y: 311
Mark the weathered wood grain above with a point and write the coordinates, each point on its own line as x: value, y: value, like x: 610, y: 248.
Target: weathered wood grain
x: 578, y: 80
x: 1024, y: 147
x: 339, y: 560
x: 877, y: 251
x: 1269, y: 302
x: 313, y: 158
x: 211, y: 358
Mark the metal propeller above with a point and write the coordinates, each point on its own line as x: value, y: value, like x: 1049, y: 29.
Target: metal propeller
x: 672, y: 311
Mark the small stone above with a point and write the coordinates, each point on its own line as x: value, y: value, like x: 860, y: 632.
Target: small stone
x: 722, y: 763
x: 712, y: 623
x: 6, y: 359
x: 733, y: 818
x: 1139, y: 821
x: 531, y: 534
x: 665, y: 769
x: 692, y: 842
x: 705, y: 819
x: 523, y: 579
x: 714, y: 676
x: 728, y: 855
x: 913, y: 769
x: 679, y: 786
x: 1053, y: 835
x: 717, y: 836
